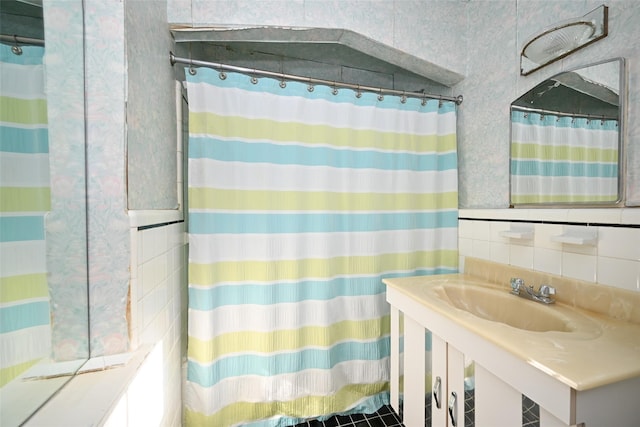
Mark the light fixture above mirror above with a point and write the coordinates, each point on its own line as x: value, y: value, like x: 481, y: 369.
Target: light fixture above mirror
x: 563, y: 38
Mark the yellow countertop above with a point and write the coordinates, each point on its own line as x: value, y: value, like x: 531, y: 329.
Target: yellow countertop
x: 592, y: 351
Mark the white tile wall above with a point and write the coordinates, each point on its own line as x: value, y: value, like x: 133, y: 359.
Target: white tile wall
x: 157, y: 315
x: 613, y: 260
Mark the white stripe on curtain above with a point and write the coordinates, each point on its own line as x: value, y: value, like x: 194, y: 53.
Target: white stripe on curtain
x: 300, y: 203
x: 225, y: 247
x: 563, y: 159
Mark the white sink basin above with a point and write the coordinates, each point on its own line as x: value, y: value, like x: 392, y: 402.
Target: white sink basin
x: 498, y: 305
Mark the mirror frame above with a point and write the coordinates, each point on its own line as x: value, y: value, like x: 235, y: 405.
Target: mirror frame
x: 622, y: 111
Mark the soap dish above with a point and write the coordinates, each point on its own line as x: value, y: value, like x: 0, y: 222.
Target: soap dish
x: 522, y: 232
x: 583, y: 237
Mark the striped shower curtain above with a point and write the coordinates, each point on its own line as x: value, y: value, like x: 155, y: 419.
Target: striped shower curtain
x: 25, y: 332
x: 561, y: 159
x: 301, y: 199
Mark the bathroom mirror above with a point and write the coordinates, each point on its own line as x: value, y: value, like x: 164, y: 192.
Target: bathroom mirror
x: 43, y: 233
x: 566, y: 138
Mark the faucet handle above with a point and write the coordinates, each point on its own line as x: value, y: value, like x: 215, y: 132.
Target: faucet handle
x: 546, y: 290
x: 516, y: 283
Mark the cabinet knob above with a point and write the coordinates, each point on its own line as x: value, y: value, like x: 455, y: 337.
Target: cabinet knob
x: 437, y: 392
x: 452, y: 408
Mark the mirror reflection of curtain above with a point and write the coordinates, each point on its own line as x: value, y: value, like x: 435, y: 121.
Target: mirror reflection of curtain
x: 300, y: 202
x: 560, y: 159
x: 25, y: 333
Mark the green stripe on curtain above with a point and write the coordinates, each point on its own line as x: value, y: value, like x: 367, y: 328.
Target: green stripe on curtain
x: 560, y: 153
x: 25, y: 199
x: 25, y: 286
x: 264, y: 129
x: 213, y: 198
x: 266, y: 271
x: 23, y: 111
x: 8, y: 374
x: 269, y: 342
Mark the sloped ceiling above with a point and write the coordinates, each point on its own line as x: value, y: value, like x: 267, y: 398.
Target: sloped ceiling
x: 328, y: 45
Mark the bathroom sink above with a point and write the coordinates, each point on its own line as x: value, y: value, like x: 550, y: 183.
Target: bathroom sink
x: 498, y: 305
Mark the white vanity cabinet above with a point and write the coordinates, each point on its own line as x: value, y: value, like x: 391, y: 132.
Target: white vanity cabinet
x: 447, y: 375
x: 501, y: 375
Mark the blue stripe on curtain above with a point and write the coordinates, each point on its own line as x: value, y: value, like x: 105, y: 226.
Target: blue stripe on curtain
x: 257, y: 152
x: 21, y: 228
x: 27, y: 141
x: 592, y: 170
x: 223, y: 223
x: 279, y: 293
x: 250, y: 364
x: 287, y: 313
x: 23, y: 316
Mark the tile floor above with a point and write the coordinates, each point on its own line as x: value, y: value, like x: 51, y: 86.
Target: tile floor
x: 385, y: 417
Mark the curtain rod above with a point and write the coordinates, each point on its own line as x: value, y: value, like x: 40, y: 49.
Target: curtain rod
x: 559, y: 113
x: 15, y: 39
x: 191, y: 62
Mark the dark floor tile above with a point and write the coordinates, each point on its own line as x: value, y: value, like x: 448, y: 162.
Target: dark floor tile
x: 343, y: 420
x: 391, y: 419
x: 358, y: 417
x: 331, y: 422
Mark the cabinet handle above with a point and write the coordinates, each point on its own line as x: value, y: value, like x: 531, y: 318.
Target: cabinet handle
x: 452, y: 406
x: 437, y: 391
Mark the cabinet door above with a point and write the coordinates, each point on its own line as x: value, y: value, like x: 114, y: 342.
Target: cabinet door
x: 439, y: 388
x: 455, y: 387
x: 447, y: 398
x: 414, y: 373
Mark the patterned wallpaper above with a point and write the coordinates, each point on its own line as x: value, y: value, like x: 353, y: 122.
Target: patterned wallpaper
x: 151, y: 130
x: 66, y: 223
x: 109, y: 243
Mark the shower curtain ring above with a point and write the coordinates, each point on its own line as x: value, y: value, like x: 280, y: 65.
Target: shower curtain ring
x: 283, y: 83
x: 358, y: 93
x: 403, y: 100
x: 335, y: 89
x: 222, y: 75
x: 16, y: 50
x: 380, y: 96
x: 424, y: 101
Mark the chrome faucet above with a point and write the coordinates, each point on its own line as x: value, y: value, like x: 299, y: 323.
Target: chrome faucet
x: 543, y: 295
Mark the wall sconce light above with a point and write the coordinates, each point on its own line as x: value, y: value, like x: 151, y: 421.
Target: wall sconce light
x: 561, y: 39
